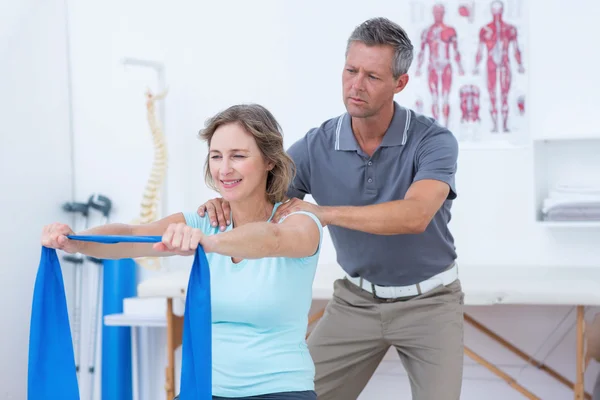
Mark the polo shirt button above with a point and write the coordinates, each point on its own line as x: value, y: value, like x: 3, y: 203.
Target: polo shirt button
x: 370, y: 180
x: 370, y: 163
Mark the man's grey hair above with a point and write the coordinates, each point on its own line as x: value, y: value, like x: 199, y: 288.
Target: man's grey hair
x: 382, y: 31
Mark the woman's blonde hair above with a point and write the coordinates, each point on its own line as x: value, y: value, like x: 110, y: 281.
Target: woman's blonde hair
x: 262, y: 125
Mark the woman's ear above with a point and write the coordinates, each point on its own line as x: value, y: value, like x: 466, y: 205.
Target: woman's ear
x: 270, y: 165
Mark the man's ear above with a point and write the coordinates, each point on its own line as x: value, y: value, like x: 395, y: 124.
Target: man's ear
x: 401, y: 83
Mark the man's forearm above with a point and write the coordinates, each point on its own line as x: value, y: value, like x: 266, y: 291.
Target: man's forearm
x: 391, y: 218
x: 250, y: 241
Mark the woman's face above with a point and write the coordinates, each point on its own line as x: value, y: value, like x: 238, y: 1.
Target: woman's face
x: 236, y: 164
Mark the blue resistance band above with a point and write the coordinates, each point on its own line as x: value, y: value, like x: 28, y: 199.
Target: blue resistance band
x: 116, y: 239
x: 51, y: 362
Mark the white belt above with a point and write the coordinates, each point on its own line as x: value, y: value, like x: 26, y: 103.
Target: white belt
x: 394, y: 292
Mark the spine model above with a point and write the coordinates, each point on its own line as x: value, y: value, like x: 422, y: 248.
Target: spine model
x: 152, y: 191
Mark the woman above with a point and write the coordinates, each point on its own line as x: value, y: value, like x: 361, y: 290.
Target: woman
x: 261, y: 272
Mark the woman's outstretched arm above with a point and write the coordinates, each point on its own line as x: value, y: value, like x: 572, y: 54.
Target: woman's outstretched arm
x: 55, y: 236
x: 297, y: 236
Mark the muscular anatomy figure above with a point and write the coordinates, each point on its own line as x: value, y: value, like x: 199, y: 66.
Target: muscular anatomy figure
x: 497, y: 37
x: 469, y: 103
x: 440, y: 38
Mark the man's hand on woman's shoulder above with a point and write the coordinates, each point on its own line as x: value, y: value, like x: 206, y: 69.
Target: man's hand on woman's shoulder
x: 218, y: 212
x: 294, y: 204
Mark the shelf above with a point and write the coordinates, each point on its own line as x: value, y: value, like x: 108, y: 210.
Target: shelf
x: 574, y: 138
x: 569, y: 162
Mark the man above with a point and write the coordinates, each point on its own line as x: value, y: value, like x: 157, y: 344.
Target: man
x: 383, y: 179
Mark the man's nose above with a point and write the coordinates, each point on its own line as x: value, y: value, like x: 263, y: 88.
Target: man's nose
x: 359, y: 82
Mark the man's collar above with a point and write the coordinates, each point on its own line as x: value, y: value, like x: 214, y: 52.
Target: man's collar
x: 396, y: 134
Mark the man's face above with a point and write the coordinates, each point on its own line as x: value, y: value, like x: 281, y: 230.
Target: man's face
x: 368, y: 83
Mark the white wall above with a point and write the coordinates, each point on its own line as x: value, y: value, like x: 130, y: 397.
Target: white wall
x: 287, y: 56
x: 35, y: 163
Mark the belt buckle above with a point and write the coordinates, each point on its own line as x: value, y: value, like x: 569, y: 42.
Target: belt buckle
x: 385, y: 300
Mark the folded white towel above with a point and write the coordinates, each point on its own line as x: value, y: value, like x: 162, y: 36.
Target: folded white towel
x: 551, y: 204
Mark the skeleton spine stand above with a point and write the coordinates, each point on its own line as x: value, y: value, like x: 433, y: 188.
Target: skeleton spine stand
x: 152, y: 191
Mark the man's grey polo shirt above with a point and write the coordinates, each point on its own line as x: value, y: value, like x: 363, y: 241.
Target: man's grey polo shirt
x: 333, y: 169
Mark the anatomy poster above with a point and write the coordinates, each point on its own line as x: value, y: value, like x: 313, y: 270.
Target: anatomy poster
x: 469, y: 69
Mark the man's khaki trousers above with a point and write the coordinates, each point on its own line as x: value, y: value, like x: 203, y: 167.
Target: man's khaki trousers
x: 357, y: 330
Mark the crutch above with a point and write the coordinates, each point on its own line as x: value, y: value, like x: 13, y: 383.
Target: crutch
x: 104, y: 205
x: 77, y: 260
